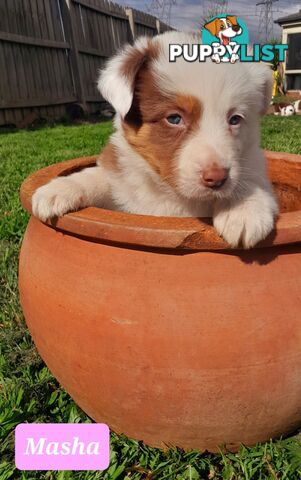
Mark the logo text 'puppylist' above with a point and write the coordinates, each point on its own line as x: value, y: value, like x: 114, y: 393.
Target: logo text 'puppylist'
x: 225, y: 38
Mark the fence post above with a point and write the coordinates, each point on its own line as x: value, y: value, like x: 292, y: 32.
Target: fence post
x: 130, y: 15
x: 158, y: 25
x: 68, y: 19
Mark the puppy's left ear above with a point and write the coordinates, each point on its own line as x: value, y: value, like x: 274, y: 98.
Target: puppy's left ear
x: 262, y: 80
x: 117, y: 81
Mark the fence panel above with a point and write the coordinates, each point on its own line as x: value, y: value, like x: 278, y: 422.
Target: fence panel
x: 51, y: 51
x: 145, y: 24
x: 34, y: 63
x: 164, y: 27
x: 102, y: 27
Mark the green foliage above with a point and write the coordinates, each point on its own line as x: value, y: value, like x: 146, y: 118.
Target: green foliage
x: 275, y: 62
x: 28, y: 391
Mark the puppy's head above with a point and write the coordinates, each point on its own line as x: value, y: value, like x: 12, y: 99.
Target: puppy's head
x: 289, y: 111
x: 192, y: 123
x: 224, y: 28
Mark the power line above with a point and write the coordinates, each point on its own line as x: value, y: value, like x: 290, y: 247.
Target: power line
x: 162, y: 9
x: 266, y: 21
x: 211, y: 8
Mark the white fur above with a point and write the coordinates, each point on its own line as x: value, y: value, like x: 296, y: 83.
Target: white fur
x: 115, y: 87
x: 243, y: 210
x: 64, y: 194
x: 297, y: 106
x: 287, y: 111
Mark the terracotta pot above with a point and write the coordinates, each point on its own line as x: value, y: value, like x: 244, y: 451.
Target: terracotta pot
x: 154, y: 326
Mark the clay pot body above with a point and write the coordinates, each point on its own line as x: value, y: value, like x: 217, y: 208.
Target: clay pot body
x: 170, y: 341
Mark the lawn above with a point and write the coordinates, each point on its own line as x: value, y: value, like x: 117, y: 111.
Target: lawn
x: 29, y: 393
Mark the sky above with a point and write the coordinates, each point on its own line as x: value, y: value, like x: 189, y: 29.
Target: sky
x: 186, y: 14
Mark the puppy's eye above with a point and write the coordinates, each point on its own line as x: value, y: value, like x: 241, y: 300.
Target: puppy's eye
x: 235, y: 120
x: 174, y: 119
x: 222, y: 27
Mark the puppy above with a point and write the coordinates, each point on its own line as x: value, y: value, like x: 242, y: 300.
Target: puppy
x: 225, y: 29
x: 284, y: 109
x: 186, y: 144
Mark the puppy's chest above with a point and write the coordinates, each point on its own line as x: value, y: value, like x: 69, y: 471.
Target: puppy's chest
x: 131, y: 193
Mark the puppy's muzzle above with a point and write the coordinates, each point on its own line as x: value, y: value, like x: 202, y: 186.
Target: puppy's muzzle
x: 214, y: 177
x: 236, y: 28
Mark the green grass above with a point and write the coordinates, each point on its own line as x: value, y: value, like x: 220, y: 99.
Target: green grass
x: 29, y: 393
x: 282, y: 134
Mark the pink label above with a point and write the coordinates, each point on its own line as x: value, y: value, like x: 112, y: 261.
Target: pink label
x: 62, y: 446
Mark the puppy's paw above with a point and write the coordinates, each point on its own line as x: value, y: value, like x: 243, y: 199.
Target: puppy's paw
x: 216, y: 58
x: 57, y: 198
x: 247, y: 223
x: 234, y: 58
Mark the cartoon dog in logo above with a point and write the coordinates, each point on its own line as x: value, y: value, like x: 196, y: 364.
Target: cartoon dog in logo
x: 225, y: 29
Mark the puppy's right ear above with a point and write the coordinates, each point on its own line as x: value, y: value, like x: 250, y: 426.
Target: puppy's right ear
x: 117, y: 81
x: 262, y: 81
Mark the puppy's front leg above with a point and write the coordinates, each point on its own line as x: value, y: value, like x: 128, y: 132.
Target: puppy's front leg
x: 249, y: 219
x: 65, y: 194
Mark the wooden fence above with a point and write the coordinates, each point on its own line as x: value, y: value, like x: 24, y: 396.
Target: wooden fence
x: 51, y: 50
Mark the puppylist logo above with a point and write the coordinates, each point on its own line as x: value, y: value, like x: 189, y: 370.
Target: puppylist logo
x: 225, y: 38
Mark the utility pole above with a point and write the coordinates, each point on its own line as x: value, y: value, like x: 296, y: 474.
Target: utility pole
x: 266, y: 23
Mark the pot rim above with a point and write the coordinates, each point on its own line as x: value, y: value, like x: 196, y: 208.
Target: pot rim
x: 180, y: 233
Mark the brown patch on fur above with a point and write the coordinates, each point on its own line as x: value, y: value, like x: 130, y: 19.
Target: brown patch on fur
x: 109, y: 158
x: 148, y: 132
x: 191, y: 106
x: 278, y: 106
x: 135, y: 59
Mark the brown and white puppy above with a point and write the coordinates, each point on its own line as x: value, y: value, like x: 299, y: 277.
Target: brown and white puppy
x: 186, y: 144
x: 225, y: 29
x: 284, y: 109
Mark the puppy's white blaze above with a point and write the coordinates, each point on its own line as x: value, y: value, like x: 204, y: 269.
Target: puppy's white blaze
x: 113, y: 85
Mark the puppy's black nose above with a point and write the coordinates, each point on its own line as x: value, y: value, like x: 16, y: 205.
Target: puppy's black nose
x: 235, y: 28
x: 214, y: 177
